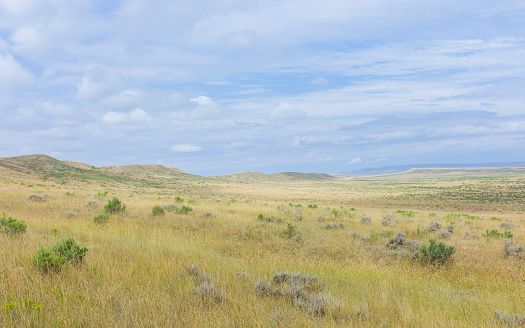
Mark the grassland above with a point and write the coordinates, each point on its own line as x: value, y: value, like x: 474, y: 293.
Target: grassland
x: 140, y: 269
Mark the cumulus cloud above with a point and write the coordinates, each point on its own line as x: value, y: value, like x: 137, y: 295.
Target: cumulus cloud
x: 13, y: 76
x: 134, y: 116
x: 124, y: 98
x: 285, y: 111
x: 201, y: 107
x: 186, y: 148
x: 354, y: 161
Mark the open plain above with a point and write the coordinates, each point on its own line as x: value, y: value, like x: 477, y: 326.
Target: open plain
x: 255, y: 250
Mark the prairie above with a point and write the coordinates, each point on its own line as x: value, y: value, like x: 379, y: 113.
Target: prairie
x: 260, y: 251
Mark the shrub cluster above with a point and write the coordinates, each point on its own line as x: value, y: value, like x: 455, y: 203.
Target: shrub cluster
x: 303, y: 291
x: 206, y: 289
x: 101, y: 218
x: 64, y: 251
x: 436, y: 253
x: 184, y: 210
x: 12, y: 226
x: 114, y: 206
x: 157, y: 210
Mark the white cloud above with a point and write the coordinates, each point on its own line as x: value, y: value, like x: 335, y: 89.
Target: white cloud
x: 285, y: 111
x: 319, y: 81
x: 202, y: 108
x: 13, y: 76
x: 186, y: 148
x: 134, y: 116
x: 126, y: 98
x: 354, y: 161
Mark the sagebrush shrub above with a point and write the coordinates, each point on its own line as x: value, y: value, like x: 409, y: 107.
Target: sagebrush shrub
x: 101, y: 218
x: 12, y: 226
x: 434, y: 226
x: 157, y: 210
x: 114, y: 206
x: 303, y: 291
x: 184, y: 210
x: 511, y: 248
x: 436, y: 253
x: 64, y: 251
x: 290, y: 231
x: 366, y: 219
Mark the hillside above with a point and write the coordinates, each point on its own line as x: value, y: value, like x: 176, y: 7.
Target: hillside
x: 436, y: 173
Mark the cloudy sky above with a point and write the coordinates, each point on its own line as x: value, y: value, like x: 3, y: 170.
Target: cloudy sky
x: 223, y: 86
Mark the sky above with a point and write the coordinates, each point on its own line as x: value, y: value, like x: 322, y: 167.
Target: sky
x: 223, y: 86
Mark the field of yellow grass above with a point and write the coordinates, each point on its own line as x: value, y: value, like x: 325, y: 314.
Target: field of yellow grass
x: 206, y: 268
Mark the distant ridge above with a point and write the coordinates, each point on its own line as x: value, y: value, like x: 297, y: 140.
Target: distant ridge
x: 148, y: 169
x: 404, y: 168
x: 45, y: 167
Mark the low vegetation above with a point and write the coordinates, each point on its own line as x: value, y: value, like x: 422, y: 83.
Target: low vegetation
x: 217, y: 253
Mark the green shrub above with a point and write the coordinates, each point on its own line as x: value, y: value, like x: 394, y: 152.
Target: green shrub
x: 12, y: 226
x: 101, y: 218
x: 494, y: 233
x: 312, y: 206
x: 157, y: 210
x: 436, y: 253
x: 260, y: 217
x: 67, y: 248
x: 178, y: 199
x: 47, y: 261
x: 101, y: 194
x: 64, y: 251
x: 184, y: 210
x: 290, y: 231
x: 114, y: 206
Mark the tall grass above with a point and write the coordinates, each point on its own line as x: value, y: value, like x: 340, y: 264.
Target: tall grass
x: 135, y: 272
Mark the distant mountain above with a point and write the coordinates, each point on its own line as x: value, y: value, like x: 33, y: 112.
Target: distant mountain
x: 47, y: 167
x: 403, y: 168
x: 301, y: 176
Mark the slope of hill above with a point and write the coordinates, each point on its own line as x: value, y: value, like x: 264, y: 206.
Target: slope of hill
x: 150, y: 170
x: 301, y: 176
x: 451, y: 173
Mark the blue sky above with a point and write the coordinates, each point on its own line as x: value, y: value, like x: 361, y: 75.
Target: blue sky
x: 216, y: 87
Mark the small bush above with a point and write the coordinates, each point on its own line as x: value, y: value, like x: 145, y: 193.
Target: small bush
x: 496, y: 234
x: 12, y: 226
x: 101, y: 218
x: 511, y: 248
x: 434, y: 226
x: 509, y: 319
x: 178, y: 199
x: 114, y: 206
x: 366, y: 219
x: 101, y: 194
x: 312, y: 206
x: 184, y: 210
x: 260, y: 217
x: 157, y: 210
x: 436, y: 253
x: 170, y: 208
x: 91, y: 203
x: 47, y: 261
x: 334, y: 226
x: 290, y: 231
x: 37, y: 198
x: 64, y: 251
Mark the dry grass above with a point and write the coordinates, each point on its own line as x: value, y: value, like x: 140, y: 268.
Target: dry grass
x: 135, y: 272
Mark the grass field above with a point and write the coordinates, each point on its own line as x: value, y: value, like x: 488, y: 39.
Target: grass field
x: 216, y: 265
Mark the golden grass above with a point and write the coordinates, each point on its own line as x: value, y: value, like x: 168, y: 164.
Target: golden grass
x: 134, y: 274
